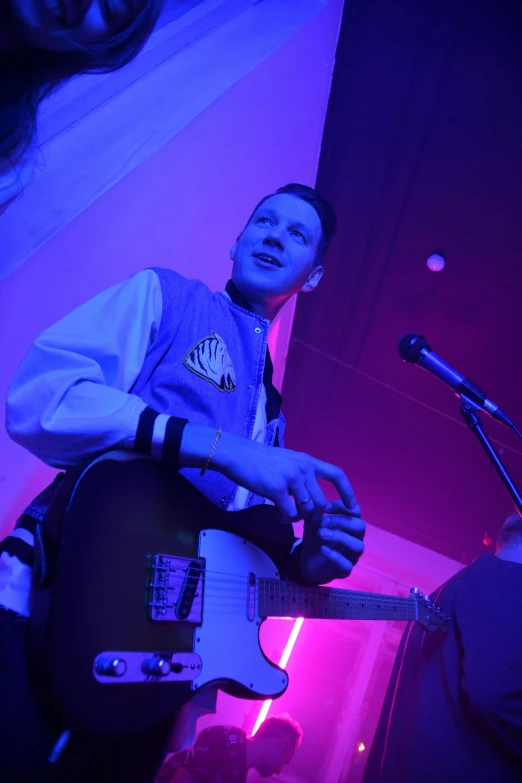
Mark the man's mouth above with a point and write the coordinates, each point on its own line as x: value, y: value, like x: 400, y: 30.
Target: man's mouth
x: 268, y: 259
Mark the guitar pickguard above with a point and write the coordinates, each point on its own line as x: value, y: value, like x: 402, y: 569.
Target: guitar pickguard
x: 228, y: 639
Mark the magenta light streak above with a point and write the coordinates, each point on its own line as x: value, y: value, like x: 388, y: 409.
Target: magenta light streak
x: 263, y: 712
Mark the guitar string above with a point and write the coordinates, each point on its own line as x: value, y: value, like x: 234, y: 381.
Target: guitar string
x: 224, y: 591
x: 311, y: 602
x: 228, y: 584
x: 270, y: 602
x: 220, y: 587
x: 316, y: 614
x: 286, y: 607
x: 339, y: 602
x: 231, y: 578
x: 239, y: 580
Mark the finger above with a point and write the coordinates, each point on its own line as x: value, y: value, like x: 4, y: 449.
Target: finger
x: 348, y: 546
x: 338, y: 507
x: 355, y: 526
x: 286, y: 508
x: 344, y: 566
x: 340, y: 481
x: 318, y: 498
x: 303, y: 500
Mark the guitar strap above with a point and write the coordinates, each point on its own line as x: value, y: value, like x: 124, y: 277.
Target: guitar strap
x: 46, y: 540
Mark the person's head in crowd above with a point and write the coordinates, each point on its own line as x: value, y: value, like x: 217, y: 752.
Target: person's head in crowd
x: 509, y: 539
x: 274, y: 745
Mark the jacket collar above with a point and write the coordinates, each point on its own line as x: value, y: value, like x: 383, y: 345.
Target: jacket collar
x: 273, y: 398
x: 237, y: 297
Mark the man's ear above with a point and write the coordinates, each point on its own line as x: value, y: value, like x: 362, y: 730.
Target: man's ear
x: 233, y: 249
x: 313, y: 279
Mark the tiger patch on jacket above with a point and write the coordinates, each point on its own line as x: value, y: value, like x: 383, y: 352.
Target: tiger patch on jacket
x: 211, y: 360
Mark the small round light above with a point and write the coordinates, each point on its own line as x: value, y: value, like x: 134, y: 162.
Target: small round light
x: 436, y: 262
x: 361, y: 747
x: 487, y: 540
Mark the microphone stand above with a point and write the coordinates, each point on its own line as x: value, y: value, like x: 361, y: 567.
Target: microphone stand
x: 468, y: 411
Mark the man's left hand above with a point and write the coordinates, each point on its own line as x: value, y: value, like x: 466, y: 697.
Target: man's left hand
x: 330, y: 550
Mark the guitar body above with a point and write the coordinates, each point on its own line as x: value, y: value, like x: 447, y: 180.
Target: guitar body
x: 104, y: 526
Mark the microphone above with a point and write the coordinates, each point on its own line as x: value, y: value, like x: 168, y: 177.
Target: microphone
x: 414, y: 348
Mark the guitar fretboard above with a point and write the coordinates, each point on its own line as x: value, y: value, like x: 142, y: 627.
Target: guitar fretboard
x: 285, y: 599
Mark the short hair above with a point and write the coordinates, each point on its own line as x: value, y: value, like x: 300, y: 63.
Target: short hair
x: 324, y: 209
x: 511, y: 531
x: 281, y: 726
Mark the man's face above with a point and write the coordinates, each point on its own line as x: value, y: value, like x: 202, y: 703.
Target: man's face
x: 275, y: 255
x: 62, y: 25
x: 277, y: 752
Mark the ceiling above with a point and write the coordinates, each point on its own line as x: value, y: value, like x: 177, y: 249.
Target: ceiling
x: 422, y: 152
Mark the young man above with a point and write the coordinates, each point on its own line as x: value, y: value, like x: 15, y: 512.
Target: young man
x: 161, y: 365
x: 224, y: 754
x: 453, y: 709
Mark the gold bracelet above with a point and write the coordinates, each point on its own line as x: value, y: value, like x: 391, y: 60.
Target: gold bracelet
x: 204, y: 470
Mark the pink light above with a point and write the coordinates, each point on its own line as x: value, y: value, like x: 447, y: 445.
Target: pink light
x: 263, y: 712
x: 291, y: 642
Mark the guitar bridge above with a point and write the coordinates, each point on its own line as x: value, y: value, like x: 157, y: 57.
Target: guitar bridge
x: 175, y: 589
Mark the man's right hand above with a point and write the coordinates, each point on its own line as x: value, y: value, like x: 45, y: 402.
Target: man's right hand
x: 288, y: 478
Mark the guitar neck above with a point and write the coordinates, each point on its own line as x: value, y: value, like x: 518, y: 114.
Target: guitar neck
x: 286, y: 599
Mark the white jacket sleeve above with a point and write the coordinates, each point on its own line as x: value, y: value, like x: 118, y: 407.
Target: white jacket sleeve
x: 69, y: 398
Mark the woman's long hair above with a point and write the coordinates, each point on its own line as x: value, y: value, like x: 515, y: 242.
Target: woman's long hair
x: 29, y: 75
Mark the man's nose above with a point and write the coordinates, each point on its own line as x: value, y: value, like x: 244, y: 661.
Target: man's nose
x: 274, y: 239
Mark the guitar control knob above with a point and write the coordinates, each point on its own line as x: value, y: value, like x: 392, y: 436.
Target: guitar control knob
x: 110, y: 667
x: 156, y: 666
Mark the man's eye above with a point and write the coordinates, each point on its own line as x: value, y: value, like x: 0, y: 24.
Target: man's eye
x: 263, y: 220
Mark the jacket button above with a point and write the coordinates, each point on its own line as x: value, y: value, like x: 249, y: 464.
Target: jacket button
x: 223, y: 501
x: 258, y: 330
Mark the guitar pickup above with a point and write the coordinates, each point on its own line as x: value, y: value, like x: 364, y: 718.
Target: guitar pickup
x: 175, y: 589
x: 189, y: 590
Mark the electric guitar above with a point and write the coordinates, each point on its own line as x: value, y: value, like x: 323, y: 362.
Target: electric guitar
x: 146, y: 592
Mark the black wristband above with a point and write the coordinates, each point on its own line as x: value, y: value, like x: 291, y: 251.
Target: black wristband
x: 172, y: 441
x: 143, y: 440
